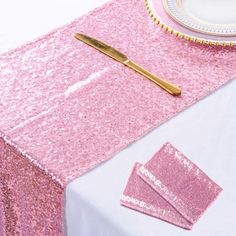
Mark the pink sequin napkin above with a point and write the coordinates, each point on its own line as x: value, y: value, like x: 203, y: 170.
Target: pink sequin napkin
x: 170, y: 187
x: 138, y: 195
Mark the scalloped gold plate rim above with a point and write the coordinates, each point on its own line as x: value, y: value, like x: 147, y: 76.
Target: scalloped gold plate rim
x: 183, y: 35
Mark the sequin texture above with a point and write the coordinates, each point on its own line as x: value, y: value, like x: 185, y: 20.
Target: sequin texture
x: 180, y: 182
x: 139, y: 196
x: 65, y: 107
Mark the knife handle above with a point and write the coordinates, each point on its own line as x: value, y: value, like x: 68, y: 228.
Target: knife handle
x: 169, y: 87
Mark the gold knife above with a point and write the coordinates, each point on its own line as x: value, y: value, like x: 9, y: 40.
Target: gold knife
x: 120, y: 57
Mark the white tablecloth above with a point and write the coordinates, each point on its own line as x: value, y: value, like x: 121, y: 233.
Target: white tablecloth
x: 206, y: 133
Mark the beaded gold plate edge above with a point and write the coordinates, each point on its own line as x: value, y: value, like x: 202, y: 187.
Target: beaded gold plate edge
x: 183, y: 35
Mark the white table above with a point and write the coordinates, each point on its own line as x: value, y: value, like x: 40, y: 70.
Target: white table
x: 206, y: 133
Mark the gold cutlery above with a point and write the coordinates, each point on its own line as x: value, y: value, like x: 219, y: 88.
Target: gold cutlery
x: 120, y: 57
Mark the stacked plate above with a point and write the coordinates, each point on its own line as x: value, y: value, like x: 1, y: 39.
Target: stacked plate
x: 206, y: 21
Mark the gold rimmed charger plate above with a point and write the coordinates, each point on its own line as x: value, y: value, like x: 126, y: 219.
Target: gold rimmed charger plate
x: 197, y: 21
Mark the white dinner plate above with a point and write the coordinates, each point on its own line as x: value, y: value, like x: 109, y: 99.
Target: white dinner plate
x: 205, y: 21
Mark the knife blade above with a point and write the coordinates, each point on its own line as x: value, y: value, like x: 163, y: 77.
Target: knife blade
x: 120, y: 57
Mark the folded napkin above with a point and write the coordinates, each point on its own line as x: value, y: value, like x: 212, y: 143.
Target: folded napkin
x: 170, y: 187
x: 138, y: 195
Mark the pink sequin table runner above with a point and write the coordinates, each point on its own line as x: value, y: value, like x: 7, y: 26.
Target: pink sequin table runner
x: 65, y: 107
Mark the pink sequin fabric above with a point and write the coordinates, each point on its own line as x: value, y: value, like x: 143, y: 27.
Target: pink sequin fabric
x: 170, y: 187
x: 65, y: 107
x: 180, y: 182
x: 139, y: 196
